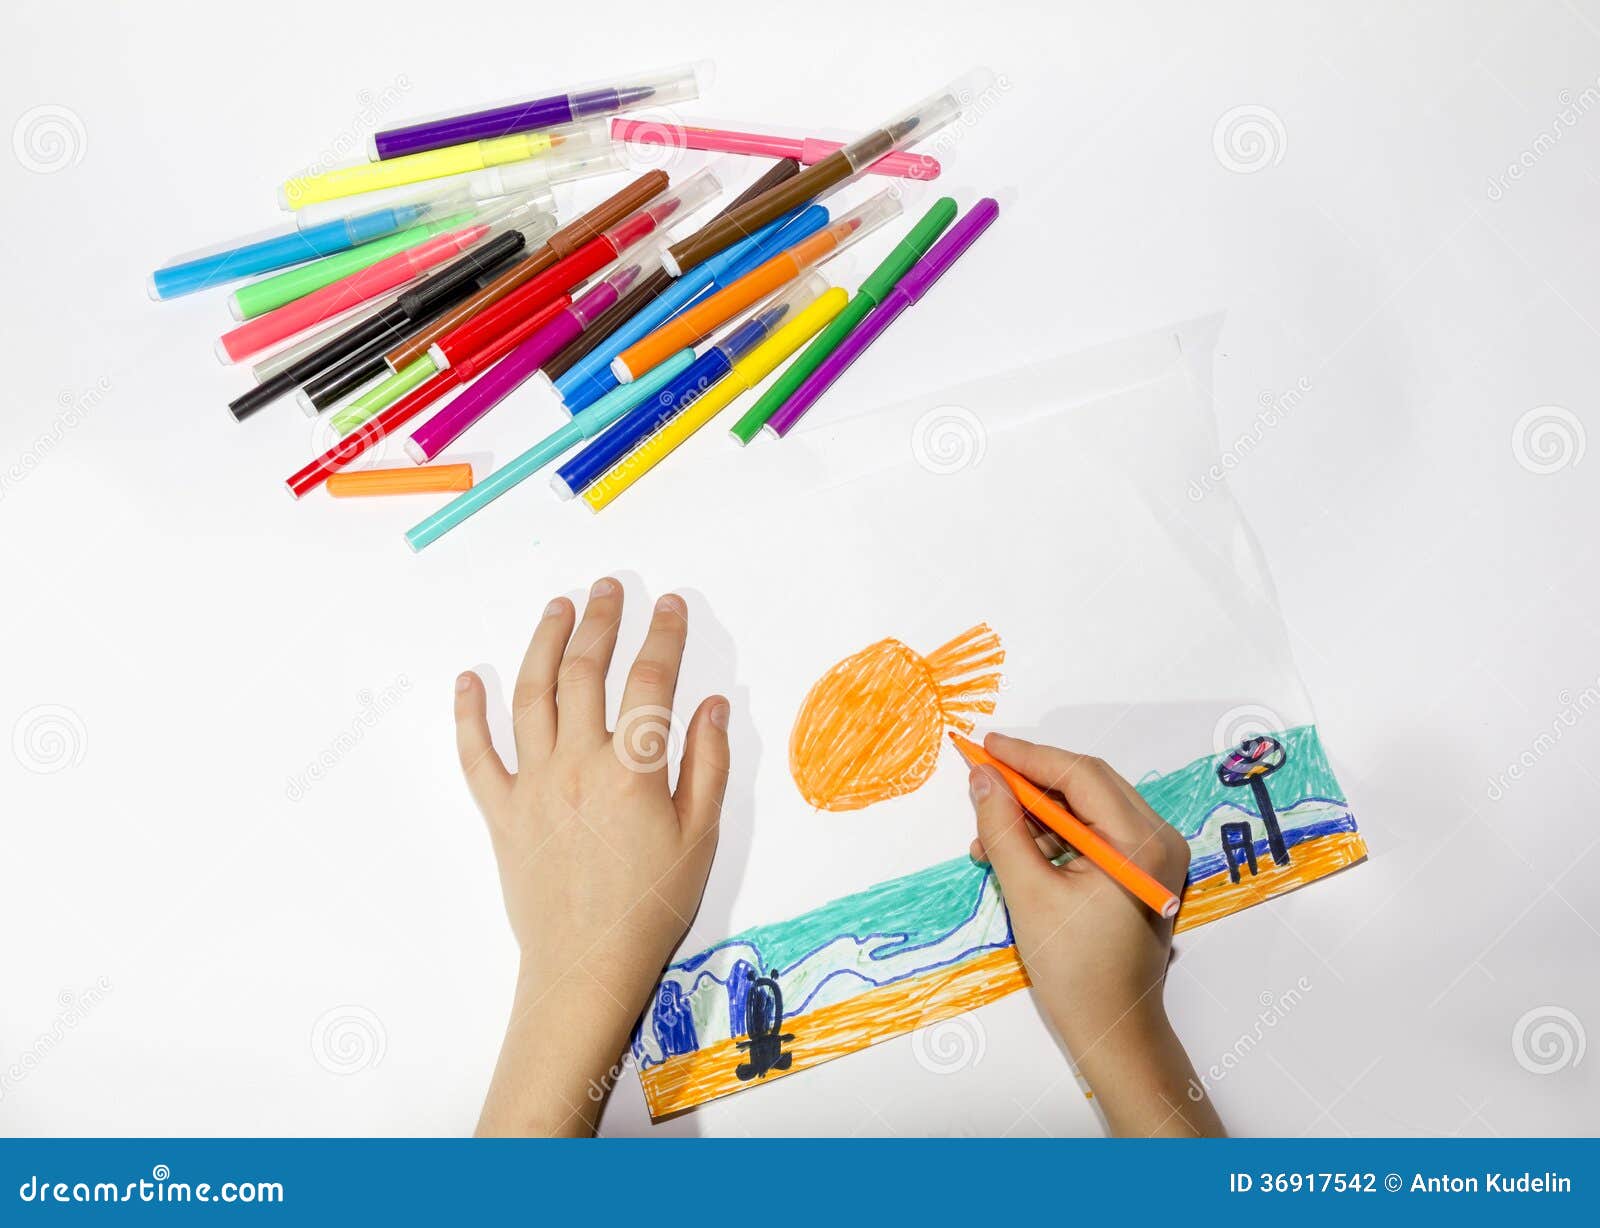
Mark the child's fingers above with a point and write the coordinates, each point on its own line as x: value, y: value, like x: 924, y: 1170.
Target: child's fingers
x: 533, y: 700
x: 487, y: 778
x: 647, y: 695
x: 703, y: 778
x: 581, y: 681
x: 1003, y: 830
x: 1093, y: 791
x: 1050, y: 844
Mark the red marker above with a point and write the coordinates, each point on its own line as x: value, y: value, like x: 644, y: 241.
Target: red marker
x: 483, y: 329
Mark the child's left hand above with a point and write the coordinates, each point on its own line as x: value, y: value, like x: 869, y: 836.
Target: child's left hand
x: 602, y: 867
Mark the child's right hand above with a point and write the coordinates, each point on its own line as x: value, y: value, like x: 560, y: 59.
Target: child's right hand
x: 1097, y: 957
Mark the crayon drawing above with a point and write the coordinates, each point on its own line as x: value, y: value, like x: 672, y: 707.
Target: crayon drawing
x: 915, y: 950
x: 871, y: 727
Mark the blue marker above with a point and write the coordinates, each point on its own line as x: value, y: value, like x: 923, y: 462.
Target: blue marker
x: 650, y: 415
x: 279, y: 251
x: 585, y: 425
x: 591, y: 377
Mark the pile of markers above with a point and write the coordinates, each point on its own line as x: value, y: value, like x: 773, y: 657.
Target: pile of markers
x: 419, y: 289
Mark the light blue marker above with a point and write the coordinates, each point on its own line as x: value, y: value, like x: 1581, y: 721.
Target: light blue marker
x: 280, y: 251
x: 591, y: 377
x: 585, y: 425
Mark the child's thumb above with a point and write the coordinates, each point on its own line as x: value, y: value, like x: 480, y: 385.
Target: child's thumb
x: 1003, y: 828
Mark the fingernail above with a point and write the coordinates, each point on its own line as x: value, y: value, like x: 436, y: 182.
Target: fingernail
x: 463, y: 682
x: 672, y: 604
x: 720, y: 712
x: 978, y: 784
x: 554, y: 608
x: 603, y: 587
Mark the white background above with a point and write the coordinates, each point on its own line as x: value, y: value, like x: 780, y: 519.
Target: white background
x: 203, y: 640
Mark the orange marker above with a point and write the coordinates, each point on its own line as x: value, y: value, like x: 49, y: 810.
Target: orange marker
x: 1060, y: 820
x: 409, y: 480
x: 699, y: 321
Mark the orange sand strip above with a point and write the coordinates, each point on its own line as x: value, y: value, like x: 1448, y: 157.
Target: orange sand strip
x: 833, y: 1031
x: 1308, y: 861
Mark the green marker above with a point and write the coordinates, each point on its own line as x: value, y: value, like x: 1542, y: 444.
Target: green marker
x: 585, y: 424
x: 260, y: 297
x: 383, y: 395
x: 910, y: 249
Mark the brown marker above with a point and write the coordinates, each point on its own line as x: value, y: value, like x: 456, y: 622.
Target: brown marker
x: 922, y: 120
x: 652, y: 287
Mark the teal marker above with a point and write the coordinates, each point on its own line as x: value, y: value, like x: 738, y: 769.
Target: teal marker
x: 585, y: 424
x: 907, y: 252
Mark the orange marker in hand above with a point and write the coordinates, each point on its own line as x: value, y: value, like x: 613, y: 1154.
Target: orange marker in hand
x: 1070, y: 828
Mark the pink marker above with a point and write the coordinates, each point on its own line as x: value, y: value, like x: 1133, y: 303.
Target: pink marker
x: 336, y: 298
x: 806, y: 150
x: 512, y: 371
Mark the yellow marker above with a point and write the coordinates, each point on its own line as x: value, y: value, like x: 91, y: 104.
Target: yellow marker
x: 305, y: 190
x: 745, y: 375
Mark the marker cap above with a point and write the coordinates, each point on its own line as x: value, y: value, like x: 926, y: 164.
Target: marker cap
x: 629, y: 271
x: 654, y: 89
x: 920, y: 121
x: 665, y: 210
x: 769, y: 315
x: 850, y: 228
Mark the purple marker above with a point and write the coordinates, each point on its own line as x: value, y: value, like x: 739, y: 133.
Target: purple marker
x: 655, y: 89
x: 910, y: 288
x: 512, y: 371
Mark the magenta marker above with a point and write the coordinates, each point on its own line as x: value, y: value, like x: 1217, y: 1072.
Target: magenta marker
x: 907, y: 291
x: 509, y: 374
x: 503, y: 119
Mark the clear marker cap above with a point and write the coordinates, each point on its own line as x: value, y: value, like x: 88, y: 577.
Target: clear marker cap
x: 922, y: 120
x: 635, y: 265
x: 665, y: 210
x: 850, y: 228
x: 653, y: 89
x: 770, y: 314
